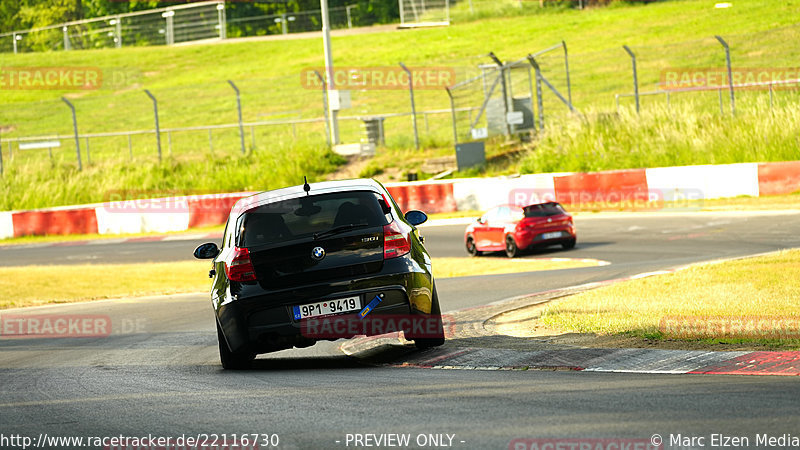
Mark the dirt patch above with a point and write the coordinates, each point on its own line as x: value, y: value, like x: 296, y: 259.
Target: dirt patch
x: 356, y: 166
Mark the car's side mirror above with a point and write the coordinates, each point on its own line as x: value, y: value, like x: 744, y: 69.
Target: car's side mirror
x: 480, y: 220
x: 209, y: 250
x: 415, y: 217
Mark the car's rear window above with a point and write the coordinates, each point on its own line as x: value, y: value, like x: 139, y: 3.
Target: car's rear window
x: 303, y: 216
x: 543, y: 210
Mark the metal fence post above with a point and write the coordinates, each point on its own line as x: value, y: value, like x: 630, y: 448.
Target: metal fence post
x: 75, y: 130
x: 413, y: 106
x: 635, y: 76
x: 540, y: 101
x: 118, y: 29
x: 168, y: 35
x: 1, y: 157
x: 239, y: 110
x: 158, y: 129
x: 505, y: 90
x: 349, y: 18
x: 66, y: 38
x: 130, y: 147
x: 88, y: 153
x: 566, y: 65
x: 222, y: 21
x: 730, y: 74
x: 325, y: 106
x: 453, y: 112
x: 284, y: 25
x: 14, y: 41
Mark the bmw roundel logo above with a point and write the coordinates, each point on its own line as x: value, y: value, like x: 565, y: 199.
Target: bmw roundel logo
x: 317, y: 253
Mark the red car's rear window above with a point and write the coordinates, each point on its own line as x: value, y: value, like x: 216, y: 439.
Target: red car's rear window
x: 543, y: 210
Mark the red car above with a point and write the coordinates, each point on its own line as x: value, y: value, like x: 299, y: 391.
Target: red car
x: 512, y: 228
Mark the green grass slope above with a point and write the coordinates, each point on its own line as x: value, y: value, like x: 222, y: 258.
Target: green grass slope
x: 190, y: 84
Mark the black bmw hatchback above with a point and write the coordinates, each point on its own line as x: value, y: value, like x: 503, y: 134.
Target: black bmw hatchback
x: 317, y: 262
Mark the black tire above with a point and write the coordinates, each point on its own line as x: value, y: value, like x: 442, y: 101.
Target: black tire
x: 436, y: 310
x: 471, y: 248
x: 233, y: 360
x: 511, y: 247
x: 569, y: 244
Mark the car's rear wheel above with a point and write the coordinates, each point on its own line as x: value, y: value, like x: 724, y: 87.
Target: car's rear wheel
x: 437, y: 340
x: 511, y: 247
x: 233, y: 360
x: 569, y: 244
x: 471, y: 248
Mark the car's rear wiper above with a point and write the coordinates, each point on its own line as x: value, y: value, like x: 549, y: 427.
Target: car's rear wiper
x: 339, y: 229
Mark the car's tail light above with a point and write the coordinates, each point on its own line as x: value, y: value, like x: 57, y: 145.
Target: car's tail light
x: 395, y: 242
x: 240, y: 268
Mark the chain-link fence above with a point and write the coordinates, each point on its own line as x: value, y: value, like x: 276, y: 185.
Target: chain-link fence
x: 168, y: 26
x: 508, y: 95
x: 164, y: 26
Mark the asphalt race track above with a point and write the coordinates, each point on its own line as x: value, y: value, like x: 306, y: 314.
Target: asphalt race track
x: 158, y: 371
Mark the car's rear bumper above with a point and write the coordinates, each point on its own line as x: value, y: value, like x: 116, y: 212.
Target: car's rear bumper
x: 536, y: 238
x: 265, y: 321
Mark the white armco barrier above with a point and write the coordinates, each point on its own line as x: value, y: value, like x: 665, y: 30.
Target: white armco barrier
x: 703, y: 182
x: 484, y: 193
x: 6, y: 225
x: 143, y: 216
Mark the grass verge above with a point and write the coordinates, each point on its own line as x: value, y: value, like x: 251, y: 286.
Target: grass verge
x: 100, y: 237
x: 65, y: 284
x: 747, y: 301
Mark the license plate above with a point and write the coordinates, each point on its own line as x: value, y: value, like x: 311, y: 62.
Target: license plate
x: 326, y: 308
x: 553, y: 235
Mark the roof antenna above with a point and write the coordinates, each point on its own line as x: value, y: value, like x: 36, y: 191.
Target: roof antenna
x: 306, y: 186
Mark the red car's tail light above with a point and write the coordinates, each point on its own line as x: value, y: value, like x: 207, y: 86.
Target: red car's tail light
x: 395, y: 242
x: 240, y: 268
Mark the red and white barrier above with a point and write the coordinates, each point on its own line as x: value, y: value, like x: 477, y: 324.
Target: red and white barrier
x: 609, y: 187
x: 778, y: 178
x: 483, y: 193
x: 6, y: 225
x: 431, y: 196
x: 614, y: 187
